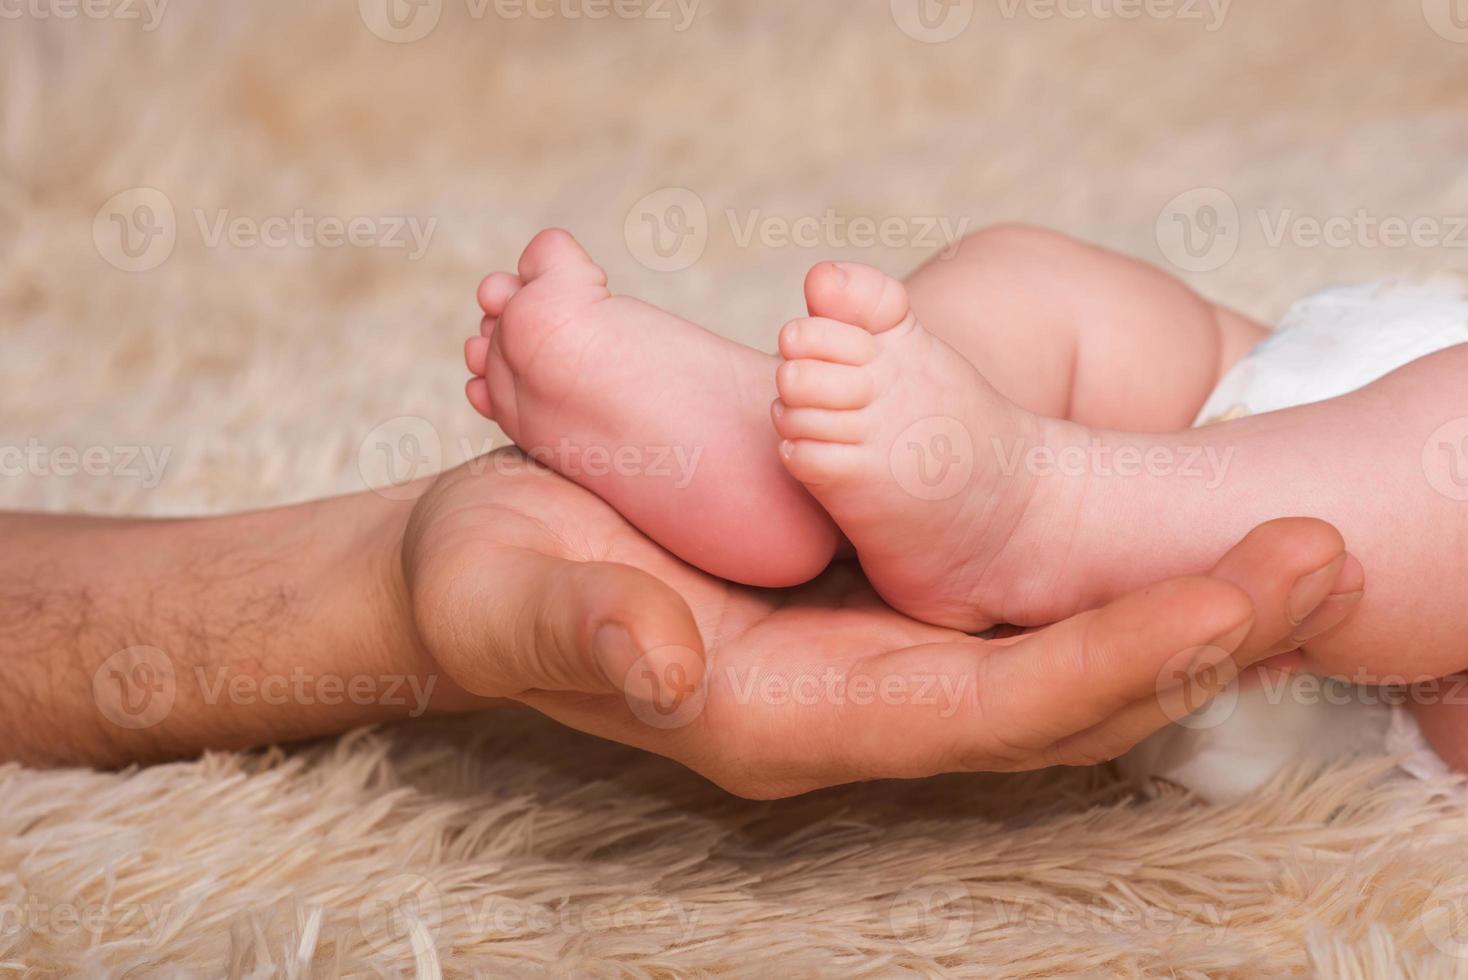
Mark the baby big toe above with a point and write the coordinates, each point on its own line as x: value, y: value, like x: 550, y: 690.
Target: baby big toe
x: 556, y: 251
x: 857, y: 294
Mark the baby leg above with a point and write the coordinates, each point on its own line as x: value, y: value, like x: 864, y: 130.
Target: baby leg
x: 967, y: 509
x: 1070, y: 330
x: 1383, y: 464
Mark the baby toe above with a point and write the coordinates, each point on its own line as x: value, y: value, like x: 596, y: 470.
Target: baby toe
x: 826, y: 340
x: 476, y: 355
x: 857, y: 294
x: 495, y: 291
x: 477, y: 391
x: 820, y: 384
x: 815, y: 463
x: 823, y: 425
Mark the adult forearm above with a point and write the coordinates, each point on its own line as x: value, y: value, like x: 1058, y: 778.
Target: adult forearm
x: 124, y: 640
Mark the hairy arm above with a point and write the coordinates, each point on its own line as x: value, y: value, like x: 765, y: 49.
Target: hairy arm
x: 127, y: 640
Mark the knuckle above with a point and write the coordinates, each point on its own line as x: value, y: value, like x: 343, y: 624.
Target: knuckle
x: 995, y: 750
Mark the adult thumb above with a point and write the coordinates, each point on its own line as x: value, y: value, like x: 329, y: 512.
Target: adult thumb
x: 549, y: 624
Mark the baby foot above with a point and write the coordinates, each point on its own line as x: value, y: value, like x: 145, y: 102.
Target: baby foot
x: 659, y: 417
x: 903, y: 441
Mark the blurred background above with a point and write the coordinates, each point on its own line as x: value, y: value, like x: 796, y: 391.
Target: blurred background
x: 244, y: 238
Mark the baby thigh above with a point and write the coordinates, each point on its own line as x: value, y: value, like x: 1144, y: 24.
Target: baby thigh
x: 1072, y: 330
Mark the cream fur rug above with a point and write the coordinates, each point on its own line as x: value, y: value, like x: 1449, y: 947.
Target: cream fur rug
x: 507, y: 845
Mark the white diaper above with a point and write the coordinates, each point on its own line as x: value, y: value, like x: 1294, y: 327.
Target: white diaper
x: 1327, y: 345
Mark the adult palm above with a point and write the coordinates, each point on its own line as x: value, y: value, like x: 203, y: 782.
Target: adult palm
x: 525, y: 586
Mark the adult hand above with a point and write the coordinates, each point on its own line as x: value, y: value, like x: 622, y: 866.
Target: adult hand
x: 524, y: 586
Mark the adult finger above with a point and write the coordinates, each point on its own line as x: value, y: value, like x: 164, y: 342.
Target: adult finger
x: 1300, y: 578
x: 1301, y: 581
x: 1072, y: 676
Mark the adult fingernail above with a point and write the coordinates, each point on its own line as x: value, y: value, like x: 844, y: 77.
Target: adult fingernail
x: 1328, y: 615
x: 1229, y: 642
x: 1310, y: 590
x: 1274, y: 668
x: 615, y: 652
x: 1283, y: 664
x: 1279, y: 649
